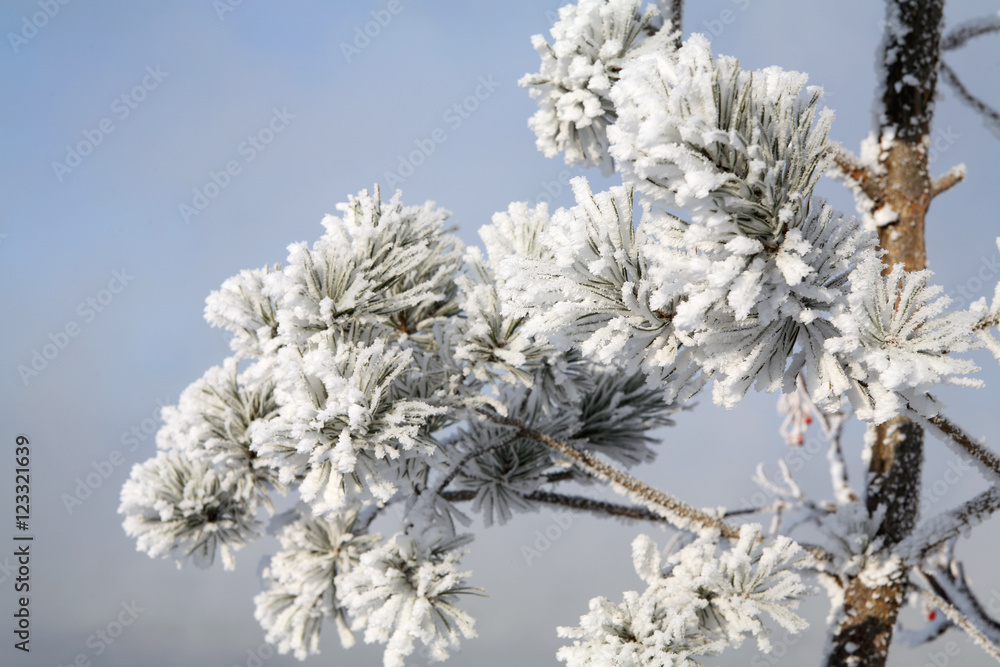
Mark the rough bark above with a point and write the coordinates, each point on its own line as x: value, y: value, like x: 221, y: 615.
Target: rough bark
x: 910, y: 60
x: 677, y: 18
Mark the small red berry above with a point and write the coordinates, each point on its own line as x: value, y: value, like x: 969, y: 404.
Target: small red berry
x: 931, y: 615
x: 809, y: 420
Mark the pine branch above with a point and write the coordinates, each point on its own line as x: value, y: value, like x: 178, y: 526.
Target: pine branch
x: 935, y: 597
x: 948, y: 180
x: 560, y: 476
x: 679, y: 514
x: 948, y: 525
x: 963, y: 32
x: 950, y: 583
x: 580, y: 503
x: 583, y: 504
x: 468, y: 457
x: 852, y: 169
x: 949, y: 432
x: 596, y: 506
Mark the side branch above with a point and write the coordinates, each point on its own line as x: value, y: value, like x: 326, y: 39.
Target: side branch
x: 852, y: 169
x: 959, y: 619
x: 949, y: 582
x: 596, y: 506
x: 949, y: 432
x: 963, y: 32
x: 947, y: 526
x: 468, y: 457
x: 580, y: 503
x: 947, y: 180
x: 679, y: 514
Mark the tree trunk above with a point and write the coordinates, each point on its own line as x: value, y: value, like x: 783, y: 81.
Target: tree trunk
x: 910, y: 62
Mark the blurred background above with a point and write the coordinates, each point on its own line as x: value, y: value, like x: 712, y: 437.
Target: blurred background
x: 152, y: 150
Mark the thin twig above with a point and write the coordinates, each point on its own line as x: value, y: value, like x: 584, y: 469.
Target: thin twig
x: 989, y: 463
x: 989, y: 113
x: 842, y: 489
x: 468, y: 457
x: 580, y: 503
x: 559, y: 476
x: 963, y: 32
x: 951, y: 584
x: 597, y: 506
x: 948, y: 525
x: 461, y: 496
x: 959, y: 619
x: 833, y: 428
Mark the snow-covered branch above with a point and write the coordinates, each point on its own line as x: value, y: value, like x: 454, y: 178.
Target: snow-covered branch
x: 948, y: 180
x: 963, y: 443
x: 862, y: 175
x: 963, y: 32
x: 948, y: 525
x: 679, y: 514
x: 963, y: 611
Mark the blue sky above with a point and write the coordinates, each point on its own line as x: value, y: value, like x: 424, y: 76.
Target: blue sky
x: 169, y: 97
